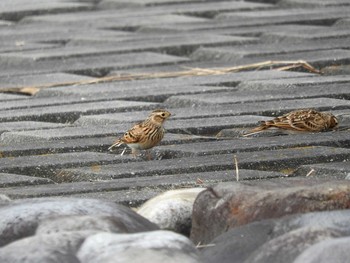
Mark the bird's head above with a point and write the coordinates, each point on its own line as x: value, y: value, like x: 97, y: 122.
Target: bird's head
x: 160, y: 115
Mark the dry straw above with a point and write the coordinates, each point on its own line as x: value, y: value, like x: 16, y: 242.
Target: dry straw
x: 277, y: 65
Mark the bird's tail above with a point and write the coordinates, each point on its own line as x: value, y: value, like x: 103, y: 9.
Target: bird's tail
x: 116, y: 144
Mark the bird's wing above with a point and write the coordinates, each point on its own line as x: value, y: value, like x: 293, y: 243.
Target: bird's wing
x: 133, y: 135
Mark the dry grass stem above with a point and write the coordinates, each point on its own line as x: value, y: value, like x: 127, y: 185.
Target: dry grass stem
x: 278, y: 65
x: 311, y: 172
x: 236, y: 165
x: 203, y: 246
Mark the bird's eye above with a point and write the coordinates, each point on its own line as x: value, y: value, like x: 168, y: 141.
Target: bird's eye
x: 163, y: 114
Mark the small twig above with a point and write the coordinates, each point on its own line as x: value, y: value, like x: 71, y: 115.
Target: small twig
x: 123, y: 152
x: 236, y: 165
x: 203, y: 246
x: 311, y: 172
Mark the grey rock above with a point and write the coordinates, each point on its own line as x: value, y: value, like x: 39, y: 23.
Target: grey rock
x: 21, y: 218
x: 53, y: 247
x: 287, y: 247
x: 155, y: 246
x: 7, y: 180
x: 81, y: 223
x: 172, y: 210
x: 333, y: 250
x: 287, y: 237
x: 230, y: 205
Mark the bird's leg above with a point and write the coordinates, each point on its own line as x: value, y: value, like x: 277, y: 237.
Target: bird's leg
x: 134, y: 152
x: 148, y: 155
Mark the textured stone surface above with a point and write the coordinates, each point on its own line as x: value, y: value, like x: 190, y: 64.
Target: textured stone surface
x: 230, y: 205
x: 335, y: 250
x: 21, y: 218
x: 155, y: 246
x: 171, y: 210
x: 288, y: 237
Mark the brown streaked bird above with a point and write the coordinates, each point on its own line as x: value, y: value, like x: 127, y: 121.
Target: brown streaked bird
x: 305, y: 120
x: 146, y: 134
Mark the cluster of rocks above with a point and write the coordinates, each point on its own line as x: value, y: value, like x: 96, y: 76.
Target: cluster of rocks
x: 277, y: 220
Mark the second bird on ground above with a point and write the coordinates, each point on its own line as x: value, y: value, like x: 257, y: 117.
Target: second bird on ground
x: 146, y: 134
x: 306, y: 120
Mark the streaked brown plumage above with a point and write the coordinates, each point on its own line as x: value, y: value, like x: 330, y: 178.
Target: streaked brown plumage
x: 146, y: 134
x: 306, y: 120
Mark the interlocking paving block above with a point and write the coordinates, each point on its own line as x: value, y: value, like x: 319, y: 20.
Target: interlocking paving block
x: 137, y: 183
x: 113, y: 21
x: 243, y: 144
x: 336, y: 70
x: 340, y: 170
x: 21, y: 45
x: 16, y: 9
x: 97, y: 144
x: 17, y: 63
x: 7, y: 97
x: 47, y: 165
x: 37, y: 33
x: 132, y: 3
x: 208, y: 126
x: 32, y: 102
x: 72, y: 112
x: 27, y: 125
x: 176, y: 44
x: 257, y: 31
x: 40, y: 79
x: 203, y: 126
x: 229, y: 53
x: 291, y: 82
x: 182, y: 4
x: 269, y: 108
x: 318, y: 58
x: 277, y: 160
x: 226, y: 80
x: 322, y: 16
x: 339, y: 91
x: 5, y: 23
x: 207, y: 9
x: 305, y: 34
x: 137, y: 93
x: 343, y: 23
x: 64, y: 133
x: 70, y: 99
x: 8, y: 180
x: 312, y: 3
x: 130, y: 198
